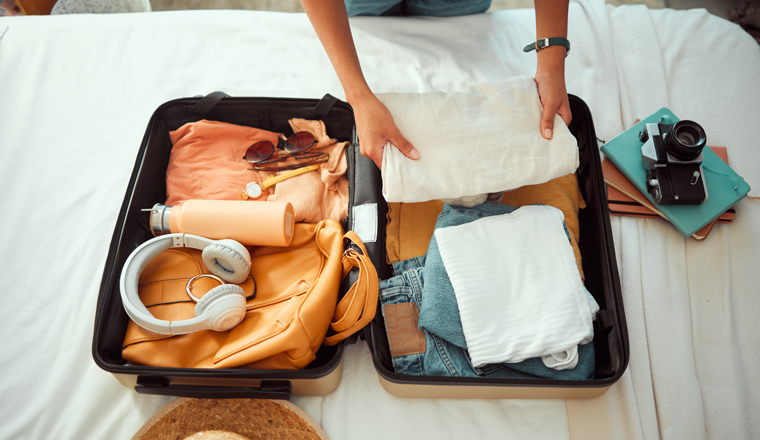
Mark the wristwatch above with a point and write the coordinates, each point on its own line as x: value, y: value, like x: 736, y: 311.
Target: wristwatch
x: 254, y: 190
x: 546, y: 42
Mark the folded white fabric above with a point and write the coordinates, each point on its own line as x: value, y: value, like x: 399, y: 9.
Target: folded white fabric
x: 482, y: 140
x: 566, y: 360
x: 517, y: 286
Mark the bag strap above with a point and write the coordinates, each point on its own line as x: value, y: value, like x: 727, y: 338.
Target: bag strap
x: 358, y: 306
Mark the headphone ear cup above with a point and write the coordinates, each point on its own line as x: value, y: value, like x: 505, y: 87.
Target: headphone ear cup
x: 228, y: 260
x: 225, y: 303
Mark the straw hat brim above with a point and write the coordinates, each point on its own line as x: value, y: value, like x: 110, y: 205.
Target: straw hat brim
x: 250, y: 418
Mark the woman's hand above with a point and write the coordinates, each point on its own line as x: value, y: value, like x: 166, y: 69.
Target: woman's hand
x: 375, y: 127
x: 551, y: 90
x: 374, y: 123
x: 551, y: 21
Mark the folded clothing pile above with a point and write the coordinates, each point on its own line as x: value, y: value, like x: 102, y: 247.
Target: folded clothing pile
x: 497, y: 294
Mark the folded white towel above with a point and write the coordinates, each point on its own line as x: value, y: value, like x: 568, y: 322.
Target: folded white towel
x: 482, y: 140
x: 517, y: 285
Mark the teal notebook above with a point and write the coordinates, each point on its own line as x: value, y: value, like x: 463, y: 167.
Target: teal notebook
x: 724, y: 186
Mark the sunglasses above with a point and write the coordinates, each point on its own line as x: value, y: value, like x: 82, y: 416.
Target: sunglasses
x: 264, y: 155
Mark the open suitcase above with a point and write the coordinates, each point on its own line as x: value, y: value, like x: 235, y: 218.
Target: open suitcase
x: 367, y: 215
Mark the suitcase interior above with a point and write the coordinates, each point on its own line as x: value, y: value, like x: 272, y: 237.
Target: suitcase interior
x: 147, y: 186
x: 599, y: 265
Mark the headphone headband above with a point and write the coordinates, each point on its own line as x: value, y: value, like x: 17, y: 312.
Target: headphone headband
x: 138, y: 260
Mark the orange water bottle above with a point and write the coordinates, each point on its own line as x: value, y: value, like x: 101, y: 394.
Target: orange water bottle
x: 252, y: 223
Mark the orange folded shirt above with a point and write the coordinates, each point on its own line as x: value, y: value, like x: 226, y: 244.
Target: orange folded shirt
x: 206, y: 162
x: 316, y: 196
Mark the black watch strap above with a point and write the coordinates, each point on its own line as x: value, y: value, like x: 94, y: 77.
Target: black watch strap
x: 546, y: 42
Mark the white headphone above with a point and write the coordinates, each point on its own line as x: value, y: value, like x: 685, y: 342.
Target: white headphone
x: 220, y: 309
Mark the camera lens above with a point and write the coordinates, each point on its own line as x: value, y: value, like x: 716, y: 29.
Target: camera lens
x: 685, y: 140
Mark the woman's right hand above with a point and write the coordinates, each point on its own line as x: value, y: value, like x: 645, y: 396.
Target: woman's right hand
x: 374, y: 124
x: 375, y: 127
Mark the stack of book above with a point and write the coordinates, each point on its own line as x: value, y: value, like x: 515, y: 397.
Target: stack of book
x: 626, y: 183
x: 623, y: 198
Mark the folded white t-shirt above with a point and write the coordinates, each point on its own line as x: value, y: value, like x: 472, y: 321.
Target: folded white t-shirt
x: 517, y: 285
x: 481, y: 140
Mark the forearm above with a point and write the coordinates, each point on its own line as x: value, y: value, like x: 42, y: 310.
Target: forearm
x: 330, y: 22
x: 551, y: 22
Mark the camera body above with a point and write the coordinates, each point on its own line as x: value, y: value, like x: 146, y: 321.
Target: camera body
x: 672, y: 157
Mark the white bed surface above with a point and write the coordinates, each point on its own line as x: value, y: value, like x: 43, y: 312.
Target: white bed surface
x: 77, y: 92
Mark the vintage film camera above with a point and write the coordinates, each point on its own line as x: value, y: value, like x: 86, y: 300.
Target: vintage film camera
x: 672, y: 158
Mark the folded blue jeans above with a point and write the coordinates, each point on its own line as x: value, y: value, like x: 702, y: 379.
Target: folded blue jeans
x: 432, y: 355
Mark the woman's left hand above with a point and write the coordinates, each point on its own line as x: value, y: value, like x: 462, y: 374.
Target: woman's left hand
x: 551, y: 90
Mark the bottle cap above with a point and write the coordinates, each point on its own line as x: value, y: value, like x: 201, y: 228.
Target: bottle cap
x: 159, y: 219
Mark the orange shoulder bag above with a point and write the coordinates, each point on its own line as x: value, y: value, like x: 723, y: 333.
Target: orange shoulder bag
x: 293, y: 307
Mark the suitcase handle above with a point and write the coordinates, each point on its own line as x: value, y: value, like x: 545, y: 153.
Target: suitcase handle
x: 268, y: 389
x: 324, y: 106
x: 208, y: 102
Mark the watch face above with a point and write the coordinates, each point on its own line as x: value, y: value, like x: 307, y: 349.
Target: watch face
x: 253, y: 190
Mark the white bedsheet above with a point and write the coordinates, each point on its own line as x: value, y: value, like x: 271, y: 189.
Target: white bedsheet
x: 76, y: 93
